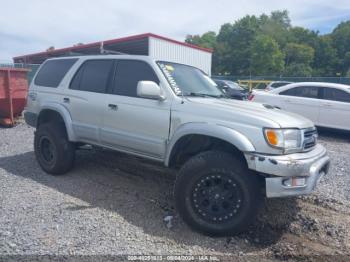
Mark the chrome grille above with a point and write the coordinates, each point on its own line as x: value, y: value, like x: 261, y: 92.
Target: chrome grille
x: 309, y: 139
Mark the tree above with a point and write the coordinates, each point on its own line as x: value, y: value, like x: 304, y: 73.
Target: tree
x: 281, y: 18
x: 267, y: 58
x: 276, y: 25
x: 235, y: 42
x: 326, y: 59
x: 207, y: 40
x: 298, y: 59
x: 297, y: 69
x: 255, y: 45
x: 300, y: 35
x: 341, y: 41
x: 51, y: 48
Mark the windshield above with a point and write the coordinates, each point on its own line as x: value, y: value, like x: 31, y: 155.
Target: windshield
x: 189, y: 81
x: 233, y: 85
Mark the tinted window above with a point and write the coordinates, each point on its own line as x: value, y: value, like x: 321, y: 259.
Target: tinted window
x: 129, y: 73
x: 53, y: 71
x: 336, y: 95
x: 93, y: 76
x: 302, y: 91
x: 279, y: 84
x: 220, y: 84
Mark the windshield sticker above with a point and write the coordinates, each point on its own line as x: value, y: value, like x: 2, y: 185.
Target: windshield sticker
x: 166, y: 70
x: 169, y: 68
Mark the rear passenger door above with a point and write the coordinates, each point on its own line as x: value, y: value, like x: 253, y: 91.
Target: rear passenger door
x: 335, y: 109
x: 302, y: 100
x: 48, y: 85
x: 133, y: 123
x: 85, y: 98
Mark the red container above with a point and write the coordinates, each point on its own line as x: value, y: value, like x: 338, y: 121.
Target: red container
x: 13, y: 94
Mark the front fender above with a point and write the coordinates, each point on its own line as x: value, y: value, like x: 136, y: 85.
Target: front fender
x: 227, y: 134
x: 64, y: 114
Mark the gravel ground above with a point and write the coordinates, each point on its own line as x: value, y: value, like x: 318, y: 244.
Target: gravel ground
x: 114, y: 204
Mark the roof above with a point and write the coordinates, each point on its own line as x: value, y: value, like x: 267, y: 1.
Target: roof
x: 137, y: 42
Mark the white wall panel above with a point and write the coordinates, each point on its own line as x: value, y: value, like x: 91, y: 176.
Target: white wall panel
x: 168, y: 51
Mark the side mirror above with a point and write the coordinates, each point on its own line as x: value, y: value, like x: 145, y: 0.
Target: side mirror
x: 149, y: 89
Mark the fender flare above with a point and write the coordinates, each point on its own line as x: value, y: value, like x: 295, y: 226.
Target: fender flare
x: 227, y: 134
x: 64, y: 113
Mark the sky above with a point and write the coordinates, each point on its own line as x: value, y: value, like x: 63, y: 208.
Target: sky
x: 33, y: 26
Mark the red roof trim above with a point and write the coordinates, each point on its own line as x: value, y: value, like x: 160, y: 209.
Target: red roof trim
x: 117, y: 40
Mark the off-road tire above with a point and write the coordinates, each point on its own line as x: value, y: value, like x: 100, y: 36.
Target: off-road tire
x: 53, y: 151
x: 240, y: 187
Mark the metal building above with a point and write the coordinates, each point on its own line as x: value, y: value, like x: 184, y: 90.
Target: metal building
x: 156, y: 46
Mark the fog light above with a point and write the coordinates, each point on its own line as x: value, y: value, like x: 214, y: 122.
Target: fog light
x: 294, y: 182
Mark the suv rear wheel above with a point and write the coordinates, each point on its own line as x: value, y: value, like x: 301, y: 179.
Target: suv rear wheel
x: 53, y: 151
x: 216, y: 194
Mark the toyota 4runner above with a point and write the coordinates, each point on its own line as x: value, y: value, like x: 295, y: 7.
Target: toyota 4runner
x: 228, y: 153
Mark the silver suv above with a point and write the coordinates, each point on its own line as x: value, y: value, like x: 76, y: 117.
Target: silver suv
x: 228, y: 153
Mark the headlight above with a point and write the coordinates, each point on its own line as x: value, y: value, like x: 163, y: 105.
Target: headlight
x: 287, y: 139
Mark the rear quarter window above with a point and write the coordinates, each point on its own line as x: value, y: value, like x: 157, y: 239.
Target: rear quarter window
x: 53, y: 71
x: 336, y: 95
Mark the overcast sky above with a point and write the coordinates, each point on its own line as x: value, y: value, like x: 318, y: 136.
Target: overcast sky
x: 32, y: 26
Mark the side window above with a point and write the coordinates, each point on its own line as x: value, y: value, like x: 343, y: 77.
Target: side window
x: 93, y: 76
x: 289, y: 92
x: 129, y: 73
x: 303, y: 91
x: 53, y: 71
x: 336, y: 95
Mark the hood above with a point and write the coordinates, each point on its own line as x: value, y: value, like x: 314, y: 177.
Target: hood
x: 261, y: 113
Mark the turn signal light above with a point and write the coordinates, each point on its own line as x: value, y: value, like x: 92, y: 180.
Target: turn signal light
x: 272, y: 137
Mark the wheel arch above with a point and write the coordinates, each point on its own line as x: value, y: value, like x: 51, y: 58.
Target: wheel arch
x: 53, y: 111
x: 217, y: 133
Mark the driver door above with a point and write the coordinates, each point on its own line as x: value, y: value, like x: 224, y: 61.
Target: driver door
x: 132, y: 123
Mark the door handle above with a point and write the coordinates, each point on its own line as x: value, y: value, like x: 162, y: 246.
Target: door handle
x: 113, y: 106
x: 66, y: 100
x: 327, y: 104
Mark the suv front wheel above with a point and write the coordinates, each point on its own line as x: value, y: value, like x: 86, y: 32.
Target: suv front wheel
x: 216, y: 194
x: 53, y: 151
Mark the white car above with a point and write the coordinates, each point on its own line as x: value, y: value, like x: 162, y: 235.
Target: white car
x: 326, y: 104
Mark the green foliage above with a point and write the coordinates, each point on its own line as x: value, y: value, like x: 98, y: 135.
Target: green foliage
x: 235, y: 41
x: 299, y: 53
x: 207, y: 40
x: 270, y: 45
x: 326, y: 60
x: 298, y: 69
x: 266, y: 56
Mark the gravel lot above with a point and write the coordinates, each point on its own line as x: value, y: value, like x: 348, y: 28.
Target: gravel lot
x: 113, y: 204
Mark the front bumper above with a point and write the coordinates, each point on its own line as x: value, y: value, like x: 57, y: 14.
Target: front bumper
x: 310, y: 165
